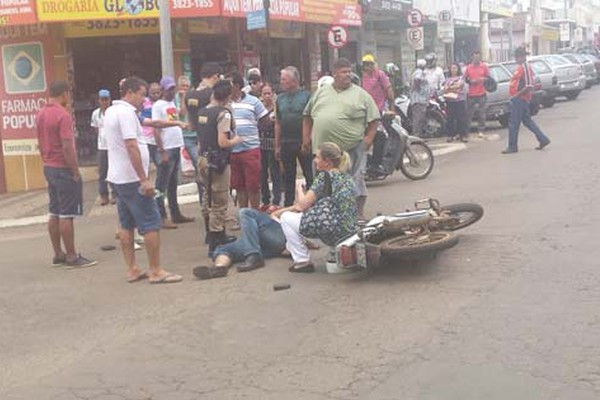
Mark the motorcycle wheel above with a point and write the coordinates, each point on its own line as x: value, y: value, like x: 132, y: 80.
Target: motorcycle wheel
x: 403, y: 246
x: 417, y: 161
x: 435, y: 126
x: 466, y: 213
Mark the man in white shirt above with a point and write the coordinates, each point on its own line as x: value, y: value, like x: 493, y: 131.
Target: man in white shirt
x: 97, y: 122
x: 128, y: 162
x: 435, y: 74
x: 169, y: 142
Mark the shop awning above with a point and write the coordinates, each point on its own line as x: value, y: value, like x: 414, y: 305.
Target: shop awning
x: 17, y: 12
x: 331, y: 12
x: 343, y: 12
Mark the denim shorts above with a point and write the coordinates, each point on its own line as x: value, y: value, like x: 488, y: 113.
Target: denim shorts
x: 65, y: 193
x: 136, y: 210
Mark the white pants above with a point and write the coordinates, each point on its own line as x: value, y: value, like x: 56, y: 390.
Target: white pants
x: 290, y: 223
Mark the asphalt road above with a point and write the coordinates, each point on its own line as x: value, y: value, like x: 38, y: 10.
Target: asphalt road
x: 509, y: 313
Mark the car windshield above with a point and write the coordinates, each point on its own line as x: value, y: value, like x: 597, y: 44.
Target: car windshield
x: 512, y: 67
x: 540, y: 67
x: 556, y: 61
x: 571, y: 58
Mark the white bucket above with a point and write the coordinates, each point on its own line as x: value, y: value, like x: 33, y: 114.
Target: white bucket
x: 332, y: 268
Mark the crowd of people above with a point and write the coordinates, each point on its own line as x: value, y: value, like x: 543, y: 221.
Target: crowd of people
x: 243, y: 138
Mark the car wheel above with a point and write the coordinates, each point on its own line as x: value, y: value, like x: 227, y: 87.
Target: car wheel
x: 572, y: 95
x: 549, y: 102
x: 503, y: 119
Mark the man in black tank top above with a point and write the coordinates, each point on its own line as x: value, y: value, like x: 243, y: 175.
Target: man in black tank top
x: 215, y: 127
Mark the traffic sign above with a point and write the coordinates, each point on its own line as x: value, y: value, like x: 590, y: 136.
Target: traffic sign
x: 416, y: 38
x: 445, y: 26
x: 414, y: 18
x: 256, y: 20
x: 337, y: 36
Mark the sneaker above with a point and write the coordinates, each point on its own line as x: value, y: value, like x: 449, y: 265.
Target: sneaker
x: 136, y: 246
x: 58, y: 261
x: 80, y: 262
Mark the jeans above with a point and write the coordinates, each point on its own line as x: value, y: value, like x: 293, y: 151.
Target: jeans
x: 167, y: 179
x: 519, y: 112
x: 419, y: 118
x: 358, y: 157
x: 261, y: 235
x: 191, y: 146
x: 154, y: 157
x: 457, y: 119
x: 102, y: 172
x: 477, y: 105
x: 290, y: 153
x: 269, y: 165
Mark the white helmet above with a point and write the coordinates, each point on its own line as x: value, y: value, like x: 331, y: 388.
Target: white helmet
x: 324, y: 80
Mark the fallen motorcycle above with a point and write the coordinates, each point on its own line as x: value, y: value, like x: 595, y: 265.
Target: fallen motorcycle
x: 425, y: 231
x: 394, y: 149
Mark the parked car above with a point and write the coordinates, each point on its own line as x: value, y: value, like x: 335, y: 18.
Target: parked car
x: 548, y: 90
x: 588, y: 68
x: 571, y: 80
x: 596, y: 61
x: 498, y: 101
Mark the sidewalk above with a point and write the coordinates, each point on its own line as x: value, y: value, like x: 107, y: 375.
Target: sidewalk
x: 30, y: 208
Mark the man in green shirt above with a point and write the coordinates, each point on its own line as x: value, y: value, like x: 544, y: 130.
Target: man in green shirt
x: 345, y: 114
x: 289, y: 108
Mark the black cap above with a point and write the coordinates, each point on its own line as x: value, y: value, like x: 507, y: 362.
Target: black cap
x: 521, y: 51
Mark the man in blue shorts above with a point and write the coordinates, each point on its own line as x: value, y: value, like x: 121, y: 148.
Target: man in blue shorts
x: 128, y: 161
x: 57, y: 146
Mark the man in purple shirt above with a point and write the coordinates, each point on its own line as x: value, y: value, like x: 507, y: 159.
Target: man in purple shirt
x: 377, y: 84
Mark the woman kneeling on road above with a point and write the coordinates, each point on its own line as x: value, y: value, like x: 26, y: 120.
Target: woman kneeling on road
x: 326, y: 212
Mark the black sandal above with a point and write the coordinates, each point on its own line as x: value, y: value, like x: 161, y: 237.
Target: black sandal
x: 305, y: 267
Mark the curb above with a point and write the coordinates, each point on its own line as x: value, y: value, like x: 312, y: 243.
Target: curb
x: 188, y: 193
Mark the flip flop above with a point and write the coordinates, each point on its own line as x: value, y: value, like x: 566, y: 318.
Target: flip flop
x: 167, y: 278
x: 303, y: 267
x: 142, y: 276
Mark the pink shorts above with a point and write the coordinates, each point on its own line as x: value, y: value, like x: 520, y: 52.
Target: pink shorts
x: 245, y: 171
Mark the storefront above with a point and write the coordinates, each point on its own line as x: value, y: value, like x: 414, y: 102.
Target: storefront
x: 93, y: 44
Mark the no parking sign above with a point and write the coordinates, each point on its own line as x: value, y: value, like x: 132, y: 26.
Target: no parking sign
x: 337, y: 36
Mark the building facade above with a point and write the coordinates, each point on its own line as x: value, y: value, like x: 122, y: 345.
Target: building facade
x: 93, y: 44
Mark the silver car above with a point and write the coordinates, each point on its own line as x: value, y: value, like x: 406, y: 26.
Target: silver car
x: 571, y: 80
x: 498, y: 101
x: 588, y: 67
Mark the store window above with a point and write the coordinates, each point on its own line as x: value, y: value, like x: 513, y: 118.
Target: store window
x: 101, y: 62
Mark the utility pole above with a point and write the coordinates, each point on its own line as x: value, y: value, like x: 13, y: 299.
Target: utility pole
x: 267, y: 8
x: 166, y: 39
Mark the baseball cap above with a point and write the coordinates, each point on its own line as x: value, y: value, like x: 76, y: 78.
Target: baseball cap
x: 167, y: 82
x: 368, y: 58
x: 253, y: 71
x: 521, y: 51
x: 103, y: 94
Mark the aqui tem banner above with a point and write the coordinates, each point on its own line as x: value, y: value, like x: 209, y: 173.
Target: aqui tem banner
x: 27, y: 68
x: 341, y: 12
x: 17, y: 12
x: 77, y: 10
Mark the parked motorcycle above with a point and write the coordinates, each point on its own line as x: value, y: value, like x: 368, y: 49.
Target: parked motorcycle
x: 425, y: 231
x: 394, y: 149
x: 437, y: 119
